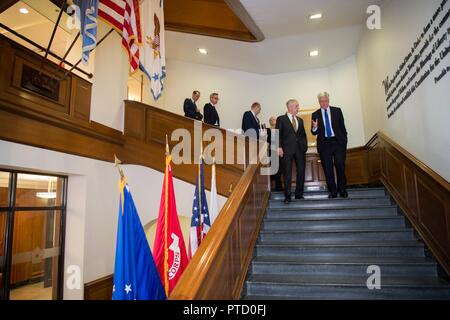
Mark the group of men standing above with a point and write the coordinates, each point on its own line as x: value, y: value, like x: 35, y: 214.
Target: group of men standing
x: 327, y: 124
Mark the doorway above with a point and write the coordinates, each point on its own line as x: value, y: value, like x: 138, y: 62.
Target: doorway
x: 32, y: 230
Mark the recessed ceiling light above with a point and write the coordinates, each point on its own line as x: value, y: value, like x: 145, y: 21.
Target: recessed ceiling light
x: 23, y: 10
x: 316, y: 16
x: 314, y: 53
x: 202, y: 51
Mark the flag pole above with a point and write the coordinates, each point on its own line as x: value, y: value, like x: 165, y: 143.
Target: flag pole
x: 166, y: 218
x: 200, y: 182
x: 117, y: 163
x: 52, y: 37
x: 79, y: 61
x: 68, y: 50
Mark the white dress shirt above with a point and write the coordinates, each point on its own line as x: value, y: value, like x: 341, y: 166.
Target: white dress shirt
x: 327, y: 110
x: 295, y: 119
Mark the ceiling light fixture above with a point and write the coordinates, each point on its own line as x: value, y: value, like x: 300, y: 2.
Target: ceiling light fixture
x: 46, y: 195
x: 23, y: 10
x: 314, y: 53
x: 202, y: 51
x: 316, y: 16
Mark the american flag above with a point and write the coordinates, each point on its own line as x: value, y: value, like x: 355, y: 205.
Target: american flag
x: 200, y: 221
x: 123, y: 15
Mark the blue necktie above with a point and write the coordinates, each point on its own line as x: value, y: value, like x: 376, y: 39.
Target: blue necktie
x: 328, y: 131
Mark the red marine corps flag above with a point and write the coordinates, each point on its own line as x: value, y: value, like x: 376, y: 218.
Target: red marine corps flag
x: 169, y: 249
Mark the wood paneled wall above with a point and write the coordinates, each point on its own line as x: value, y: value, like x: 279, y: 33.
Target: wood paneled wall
x: 422, y: 194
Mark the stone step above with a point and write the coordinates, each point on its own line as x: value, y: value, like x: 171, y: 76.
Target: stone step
x: 335, y: 236
x: 287, y: 212
x: 353, y: 193
x: 350, y: 249
x: 305, y: 224
x: 330, y: 203
x: 274, y: 286
x: 344, y: 266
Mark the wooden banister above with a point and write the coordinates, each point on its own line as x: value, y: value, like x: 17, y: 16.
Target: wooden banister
x: 219, y: 267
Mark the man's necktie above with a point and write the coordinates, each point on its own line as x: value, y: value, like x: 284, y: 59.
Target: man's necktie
x: 294, y: 124
x: 328, y: 131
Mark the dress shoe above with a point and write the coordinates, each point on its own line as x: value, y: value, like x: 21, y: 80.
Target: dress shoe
x: 287, y: 199
x: 344, y: 194
x: 332, y: 195
x: 299, y: 197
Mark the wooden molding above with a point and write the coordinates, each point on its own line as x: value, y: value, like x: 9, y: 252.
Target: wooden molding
x: 246, y: 19
x: 216, y: 18
x: 100, y: 289
x: 6, y: 4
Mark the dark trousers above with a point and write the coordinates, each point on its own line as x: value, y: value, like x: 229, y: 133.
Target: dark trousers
x: 331, y: 152
x: 299, y: 159
x: 277, y: 176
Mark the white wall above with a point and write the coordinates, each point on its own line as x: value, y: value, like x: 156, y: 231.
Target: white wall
x: 92, y: 204
x: 238, y: 90
x: 109, y: 88
x: 421, y: 125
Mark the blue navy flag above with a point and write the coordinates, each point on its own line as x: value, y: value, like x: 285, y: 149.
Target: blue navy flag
x: 200, y: 221
x: 135, y: 273
x: 88, y: 22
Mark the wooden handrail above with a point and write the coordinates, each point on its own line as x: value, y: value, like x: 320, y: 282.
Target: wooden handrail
x: 219, y: 267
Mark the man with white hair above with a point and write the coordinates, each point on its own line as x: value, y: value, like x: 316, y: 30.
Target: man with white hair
x: 329, y: 127
x: 293, y: 147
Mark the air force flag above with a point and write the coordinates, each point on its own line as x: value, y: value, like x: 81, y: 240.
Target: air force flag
x: 153, y: 60
x: 135, y: 273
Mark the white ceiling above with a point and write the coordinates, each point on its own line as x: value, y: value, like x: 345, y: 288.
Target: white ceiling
x: 290, y: 35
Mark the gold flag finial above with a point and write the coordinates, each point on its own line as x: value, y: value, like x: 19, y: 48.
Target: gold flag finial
x: 117, y: 163
x: 167, y: 146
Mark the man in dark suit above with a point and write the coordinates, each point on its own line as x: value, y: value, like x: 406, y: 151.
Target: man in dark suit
x: 210, y: 111
x: 250, y: 122
x: 329, y: 127
x: 190, y: 107
x: 293, y: 147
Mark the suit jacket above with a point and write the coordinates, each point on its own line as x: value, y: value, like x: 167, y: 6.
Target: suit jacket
x: 337, y: 122
x: 249, y: 122
x: 291, y: 141
x: 190, y: 110
x: 211, y: 115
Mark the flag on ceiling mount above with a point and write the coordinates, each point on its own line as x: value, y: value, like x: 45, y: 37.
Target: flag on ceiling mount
x: 135, y: 273
x: 124, y: 16
x: 169, y: 248
x: 88, y: 25
x: 153, y: 60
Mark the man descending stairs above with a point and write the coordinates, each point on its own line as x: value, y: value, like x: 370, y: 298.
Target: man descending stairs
x: 322, y: 248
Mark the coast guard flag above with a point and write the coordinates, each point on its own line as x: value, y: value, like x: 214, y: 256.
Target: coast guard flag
x: 135, y: 273
x: 88, y: 21
x: 153, y: 60
x: 169, y: 248
x: 200, y: 221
